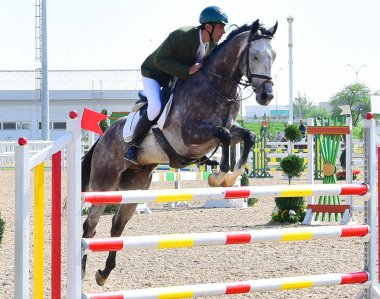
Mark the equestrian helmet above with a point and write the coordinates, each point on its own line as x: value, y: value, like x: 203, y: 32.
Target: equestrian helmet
x: 213, y: 14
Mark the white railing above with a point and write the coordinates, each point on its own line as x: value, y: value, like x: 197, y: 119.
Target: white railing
x: 7, y: 150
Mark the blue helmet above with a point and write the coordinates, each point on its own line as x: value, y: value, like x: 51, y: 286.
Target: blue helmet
x: 213, y: 14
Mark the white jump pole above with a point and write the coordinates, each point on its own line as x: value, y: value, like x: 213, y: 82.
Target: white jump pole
x: 74, y: 211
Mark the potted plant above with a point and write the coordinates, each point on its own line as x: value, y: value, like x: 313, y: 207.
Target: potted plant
x: 290, y: 209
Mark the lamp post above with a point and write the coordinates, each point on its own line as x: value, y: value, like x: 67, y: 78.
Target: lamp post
x: 275, y: 78
x: 290, y: 20
x: 356, y: 71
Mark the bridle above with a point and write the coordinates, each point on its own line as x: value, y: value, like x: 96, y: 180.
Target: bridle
x: 248, y: 81
x: 249, y: 74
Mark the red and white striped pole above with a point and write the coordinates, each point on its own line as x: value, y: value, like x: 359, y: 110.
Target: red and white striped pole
x: 232, y: 288
x: 222, y: 238
x: 146, y: 196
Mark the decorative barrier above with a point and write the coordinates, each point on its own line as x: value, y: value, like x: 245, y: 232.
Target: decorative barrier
x: 180, y: 176
x: 329, y: 139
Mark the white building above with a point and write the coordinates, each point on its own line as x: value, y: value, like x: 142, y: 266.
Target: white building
x: 20, y: 112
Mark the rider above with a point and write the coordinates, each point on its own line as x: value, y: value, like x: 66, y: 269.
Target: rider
x: 180, y: 56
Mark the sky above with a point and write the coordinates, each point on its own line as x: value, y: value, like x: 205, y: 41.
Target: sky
x: 118, y: 34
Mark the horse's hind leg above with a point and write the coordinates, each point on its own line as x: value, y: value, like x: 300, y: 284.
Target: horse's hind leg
x: 240, y: 134
x: 131, y: 180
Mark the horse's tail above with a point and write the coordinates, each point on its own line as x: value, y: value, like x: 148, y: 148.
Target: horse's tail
x: 86, y: 167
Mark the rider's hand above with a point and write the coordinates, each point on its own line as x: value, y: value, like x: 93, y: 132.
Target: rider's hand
x: 194, y: 68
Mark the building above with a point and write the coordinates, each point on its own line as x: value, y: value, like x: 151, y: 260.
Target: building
x: 20, y: 112
x: 273, y: 111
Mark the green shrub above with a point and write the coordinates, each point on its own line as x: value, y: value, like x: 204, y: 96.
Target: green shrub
x: 251, y: 201
x: 293, y: 133
x: 292, y: 166
x: 2, y: 228
x: 244, y: 179
x: 289, y: 209
x: 109, y: 209
x: 104, y: 124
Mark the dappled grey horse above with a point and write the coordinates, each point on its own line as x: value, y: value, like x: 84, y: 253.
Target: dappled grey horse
x: 201, y: 118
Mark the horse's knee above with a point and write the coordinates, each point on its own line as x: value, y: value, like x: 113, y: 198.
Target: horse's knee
x: 88, y: 231
x: 224, y: 135
x: 250, y: 137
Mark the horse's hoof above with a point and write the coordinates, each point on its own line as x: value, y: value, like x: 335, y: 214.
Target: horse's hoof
x: 99, y: 279
x: 225, y: 184
x: 228, y: 181
x: 212, y: 181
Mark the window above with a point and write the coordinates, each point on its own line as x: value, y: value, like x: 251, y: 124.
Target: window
x: 40, y: 125
x: 54, y: 125
x: 23, y: 125
x: 9, y: 125
x: 59, y: 125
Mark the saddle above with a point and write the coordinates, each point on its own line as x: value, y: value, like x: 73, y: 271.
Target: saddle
x: 176, y: 160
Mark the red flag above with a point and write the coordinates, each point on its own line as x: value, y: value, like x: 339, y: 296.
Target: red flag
x: 90, y: 121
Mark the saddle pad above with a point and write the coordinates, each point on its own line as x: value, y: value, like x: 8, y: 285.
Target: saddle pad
x: 133, y: 118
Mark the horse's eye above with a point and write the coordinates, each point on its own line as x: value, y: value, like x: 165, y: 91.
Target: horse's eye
x: 256, y: 58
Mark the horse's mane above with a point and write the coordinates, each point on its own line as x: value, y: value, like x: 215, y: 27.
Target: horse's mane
x: 232, y: 34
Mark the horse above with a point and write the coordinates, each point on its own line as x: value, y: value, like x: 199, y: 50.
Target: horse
x: 202, y: 117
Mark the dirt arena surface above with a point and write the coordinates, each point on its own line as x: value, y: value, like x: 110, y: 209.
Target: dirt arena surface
x: 170, y: 267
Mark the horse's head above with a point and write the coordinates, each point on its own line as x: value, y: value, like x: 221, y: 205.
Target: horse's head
x: 258, y: 63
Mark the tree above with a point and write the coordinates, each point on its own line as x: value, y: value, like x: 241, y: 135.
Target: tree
x: 357, y: 96
x: 317, y: 111
x: 301, y: 106
x: 104, y: 123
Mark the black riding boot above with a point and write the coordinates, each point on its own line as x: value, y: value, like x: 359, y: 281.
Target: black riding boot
x: 141, y: 130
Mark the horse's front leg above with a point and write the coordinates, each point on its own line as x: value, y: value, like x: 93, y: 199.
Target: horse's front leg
x: 94, y: 213
x: 130, y: 180
x: 240, y: 134
x: 215, y: 179
x: 119, y: 220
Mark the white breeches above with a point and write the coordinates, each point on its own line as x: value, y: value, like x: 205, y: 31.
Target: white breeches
x: 152, y: 92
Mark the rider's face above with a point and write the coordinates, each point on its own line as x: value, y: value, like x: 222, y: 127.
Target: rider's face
x: 218, y: 32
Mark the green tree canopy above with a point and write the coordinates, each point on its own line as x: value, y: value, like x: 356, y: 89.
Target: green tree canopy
x: 104, y: 124
x: 301, y: 106
x: 317, y: 111
x: 357, y: 96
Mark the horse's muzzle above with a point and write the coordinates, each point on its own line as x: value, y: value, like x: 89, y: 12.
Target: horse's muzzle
x: 265, y: 94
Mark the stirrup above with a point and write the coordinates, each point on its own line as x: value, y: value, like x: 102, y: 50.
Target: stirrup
x: 133, y: 158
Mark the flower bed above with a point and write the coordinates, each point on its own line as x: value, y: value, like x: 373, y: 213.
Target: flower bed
x: 341, y: 175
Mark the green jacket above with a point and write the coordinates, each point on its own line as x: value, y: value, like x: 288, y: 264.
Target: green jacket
x: 174, y: 57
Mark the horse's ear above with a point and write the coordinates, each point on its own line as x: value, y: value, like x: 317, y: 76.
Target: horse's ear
x: 254, y: 27
x: 273, y: 29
